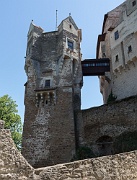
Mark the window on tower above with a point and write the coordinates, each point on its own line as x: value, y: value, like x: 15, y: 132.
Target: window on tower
x: 116, y: 34
x: 129, y: 49
x: 70, y: 45
x: 133, y: 3
x: 116, y: 58
x: 47, y: 83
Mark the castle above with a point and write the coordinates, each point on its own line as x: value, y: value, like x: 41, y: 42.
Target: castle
x: 55, y: 126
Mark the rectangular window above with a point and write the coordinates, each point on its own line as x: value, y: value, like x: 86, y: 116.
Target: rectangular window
x: 47, y: 83
x: 133, y: 3
x: 70, y: 45
x: 116, y: 34
x: 129, y: 49
x: 116, y: 58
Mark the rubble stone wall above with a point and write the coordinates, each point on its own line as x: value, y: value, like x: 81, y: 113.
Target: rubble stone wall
x: 109, y: 120
x: 12, y: 164
x: 14, y: 167
x: 116, y: 167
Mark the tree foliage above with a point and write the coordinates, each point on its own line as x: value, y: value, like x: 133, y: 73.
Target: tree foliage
x: 8, y: 113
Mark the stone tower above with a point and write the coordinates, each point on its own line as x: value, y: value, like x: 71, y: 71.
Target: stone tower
x: 52, y: 93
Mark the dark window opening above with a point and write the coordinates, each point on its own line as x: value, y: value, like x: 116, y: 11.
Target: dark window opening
x: 70, y: 45
x: 95, y: 64
x: 70, y: 26
x: 117, y: 58
x: 133, y: 3
x: 103, y: 55
x: 129, y: 49
x: 47, y: 83
x: 116, y: 35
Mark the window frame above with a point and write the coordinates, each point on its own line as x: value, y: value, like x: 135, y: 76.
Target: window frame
x: 129, y: 49
x: 134, y: 3
x: 116, y: 35
x: 117, y: 58
x: 70, y: 44
x: 47, y: 83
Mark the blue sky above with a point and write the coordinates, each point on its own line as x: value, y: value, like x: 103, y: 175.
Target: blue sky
x: 15, y: 18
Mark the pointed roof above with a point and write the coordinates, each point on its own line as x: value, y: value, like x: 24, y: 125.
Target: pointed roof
x: 72, y: 21
x: 33, y: 26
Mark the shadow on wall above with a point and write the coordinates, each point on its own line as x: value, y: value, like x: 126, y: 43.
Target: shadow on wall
x: 125, y: 142
x: 106, y: 145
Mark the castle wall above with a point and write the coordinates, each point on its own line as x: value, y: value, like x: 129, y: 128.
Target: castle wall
x: 120, y: 41
x: 14, y: 166
x: 12, y: 163
x: 124, y: 81
x: 125, y: 48
x: 50, y: 136
x: 105, y: 81
x: 107, y: 121
x: 120, y: 166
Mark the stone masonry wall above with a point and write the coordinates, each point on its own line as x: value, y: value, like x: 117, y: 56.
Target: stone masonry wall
x: 12, y: 164
x: 109, y: 120
x: 120, y: 30
x: 14, y: 167
x: 125, y: 67
x: 117, y: 167
x: 124, y: 82
x: 52, y: 92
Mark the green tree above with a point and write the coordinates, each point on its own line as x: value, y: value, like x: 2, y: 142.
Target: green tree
x: 8, y: 113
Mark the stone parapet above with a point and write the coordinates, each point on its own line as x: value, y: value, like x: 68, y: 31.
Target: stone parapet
x: 14, y: 167
x: 12, y: 164
x: 116, y: 167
